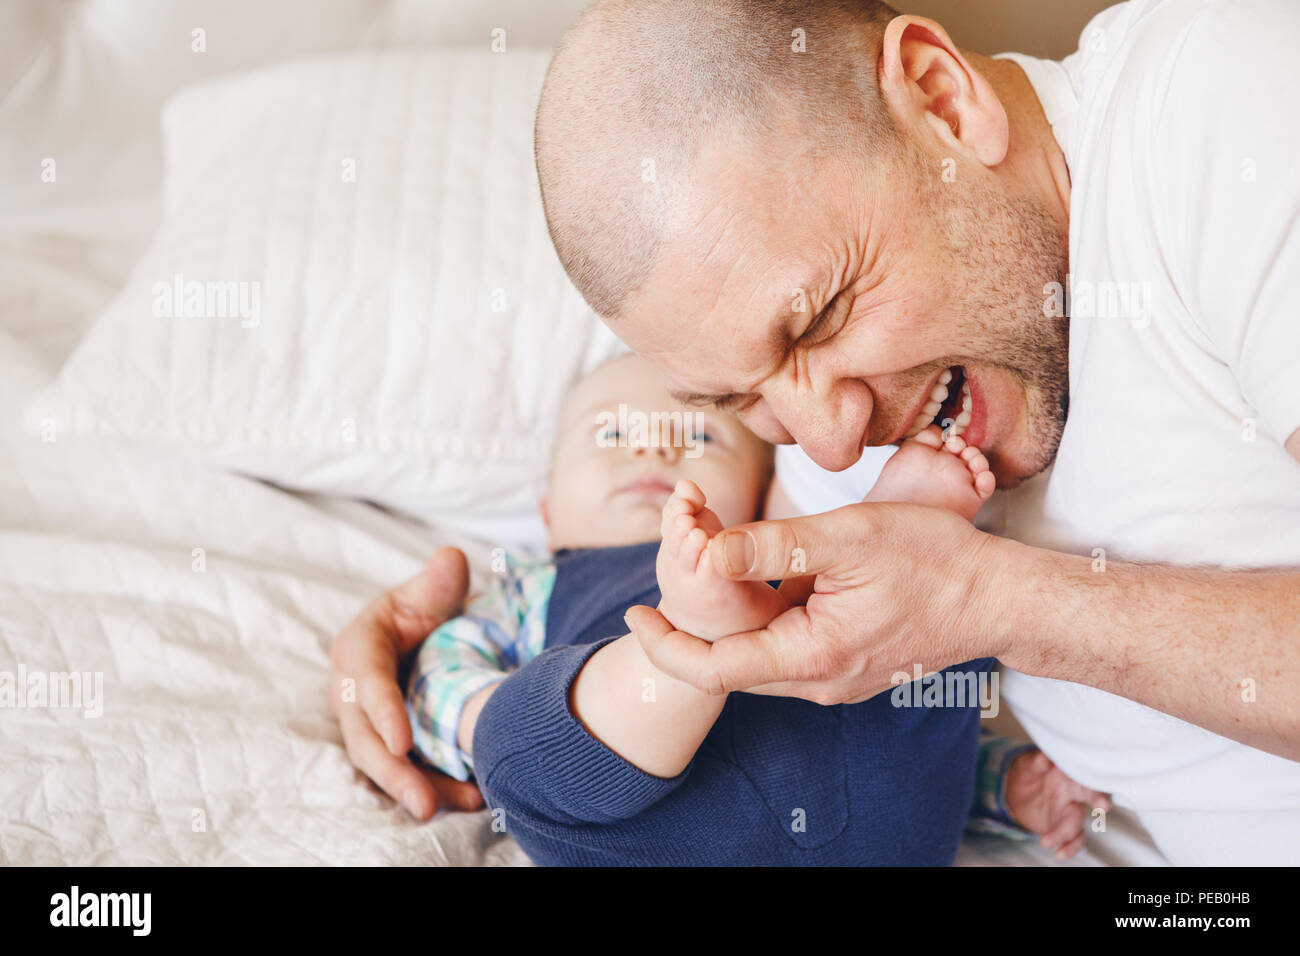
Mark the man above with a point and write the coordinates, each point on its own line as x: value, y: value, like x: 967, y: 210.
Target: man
x: 809, y: 213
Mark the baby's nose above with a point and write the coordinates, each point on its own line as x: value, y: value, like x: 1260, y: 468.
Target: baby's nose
x: 664, y: 449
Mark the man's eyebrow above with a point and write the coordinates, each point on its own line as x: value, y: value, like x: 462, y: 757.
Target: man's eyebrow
x: 780, y: 337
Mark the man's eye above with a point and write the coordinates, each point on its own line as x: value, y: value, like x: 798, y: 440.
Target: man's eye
x: 828, y: 322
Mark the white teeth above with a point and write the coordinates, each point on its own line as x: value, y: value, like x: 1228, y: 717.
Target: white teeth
x: 939, y: 395
x: 963, y: 419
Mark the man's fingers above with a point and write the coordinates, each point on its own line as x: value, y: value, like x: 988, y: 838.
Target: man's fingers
x: 381, y: 699
x: 416, y: 607
x: 793, y: 547
x: 737, y: 662
x: 454, y: 794
x: 674, y: 652
x: 395, y: 775
x: 365, y: 663
x: 798, y: 590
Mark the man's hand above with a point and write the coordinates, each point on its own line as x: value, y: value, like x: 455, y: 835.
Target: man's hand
x: 1043, y: 800
x: 367, y: 653
x: 892, y: 585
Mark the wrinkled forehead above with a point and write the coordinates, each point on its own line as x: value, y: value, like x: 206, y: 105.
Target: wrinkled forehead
x: 748, y: 250
x: 708, y: 325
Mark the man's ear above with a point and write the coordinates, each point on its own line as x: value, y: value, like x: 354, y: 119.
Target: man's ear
x: 545, y: 509
x: 925, y: 80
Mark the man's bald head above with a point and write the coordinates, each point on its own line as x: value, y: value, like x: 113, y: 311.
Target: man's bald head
x: 639, y: 88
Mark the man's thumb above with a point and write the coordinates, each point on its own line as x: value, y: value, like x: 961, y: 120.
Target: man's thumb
x: 791, y: 548
x: 426, y: 600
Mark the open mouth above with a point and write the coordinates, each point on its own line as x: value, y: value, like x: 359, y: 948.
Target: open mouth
x: 949, y: 405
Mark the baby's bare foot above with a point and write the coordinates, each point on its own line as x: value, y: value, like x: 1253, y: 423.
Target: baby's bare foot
x: 695, y: 599
x: 926, y: 470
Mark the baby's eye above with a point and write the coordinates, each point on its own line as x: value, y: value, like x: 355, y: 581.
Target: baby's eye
x: 608, y: 436
x: 702, y: 436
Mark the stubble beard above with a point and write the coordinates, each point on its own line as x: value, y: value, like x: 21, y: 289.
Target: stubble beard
x: 1011, y: 250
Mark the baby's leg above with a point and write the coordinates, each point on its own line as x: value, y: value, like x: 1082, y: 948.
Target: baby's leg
x: 695, y: 598
x: 926, y: 470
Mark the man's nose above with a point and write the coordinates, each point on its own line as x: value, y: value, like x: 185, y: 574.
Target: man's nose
x: 828, y: 425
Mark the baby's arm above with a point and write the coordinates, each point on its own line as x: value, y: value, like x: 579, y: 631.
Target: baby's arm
x: 654, y: 721
x: 463, y: 661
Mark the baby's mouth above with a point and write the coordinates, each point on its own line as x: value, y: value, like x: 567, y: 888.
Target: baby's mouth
x: 949, y: 405
x: 646, y: 486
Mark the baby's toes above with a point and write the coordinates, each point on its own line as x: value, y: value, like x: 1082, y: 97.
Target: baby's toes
x: 709, y: 521
x: 693, y: 546
x: 1067, y: 826
x: 679, y: 528
x: 675, y: 507
x: 1072, y: 847
x: 985, y: 481
x: 930, y: 436
x: 690, y: 492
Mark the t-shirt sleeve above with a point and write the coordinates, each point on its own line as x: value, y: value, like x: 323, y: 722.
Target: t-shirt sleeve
x: 1226, y: 165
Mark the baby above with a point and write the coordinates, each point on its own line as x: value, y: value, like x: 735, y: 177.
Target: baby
x: 592, y: 756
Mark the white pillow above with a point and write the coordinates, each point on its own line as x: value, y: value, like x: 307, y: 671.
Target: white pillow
x: 383, y: 313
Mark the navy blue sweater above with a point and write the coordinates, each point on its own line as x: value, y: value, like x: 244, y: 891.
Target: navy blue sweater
x: 777, y: 781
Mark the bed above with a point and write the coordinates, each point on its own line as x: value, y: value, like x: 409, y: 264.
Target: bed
x: 188, y: 518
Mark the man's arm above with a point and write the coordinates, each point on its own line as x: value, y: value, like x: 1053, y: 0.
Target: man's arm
x: 1219, y: 649
x: 898, y: 585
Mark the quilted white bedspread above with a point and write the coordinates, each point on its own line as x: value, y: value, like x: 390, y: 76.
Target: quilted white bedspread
x: 216, y: 743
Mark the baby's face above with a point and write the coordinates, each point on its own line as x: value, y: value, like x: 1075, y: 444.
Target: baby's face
x: 622, y: 446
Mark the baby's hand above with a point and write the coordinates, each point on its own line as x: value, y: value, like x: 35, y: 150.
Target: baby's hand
x: 1043, y: 800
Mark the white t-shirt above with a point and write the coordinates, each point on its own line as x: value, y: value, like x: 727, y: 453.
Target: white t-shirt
x: 1179, y: 126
